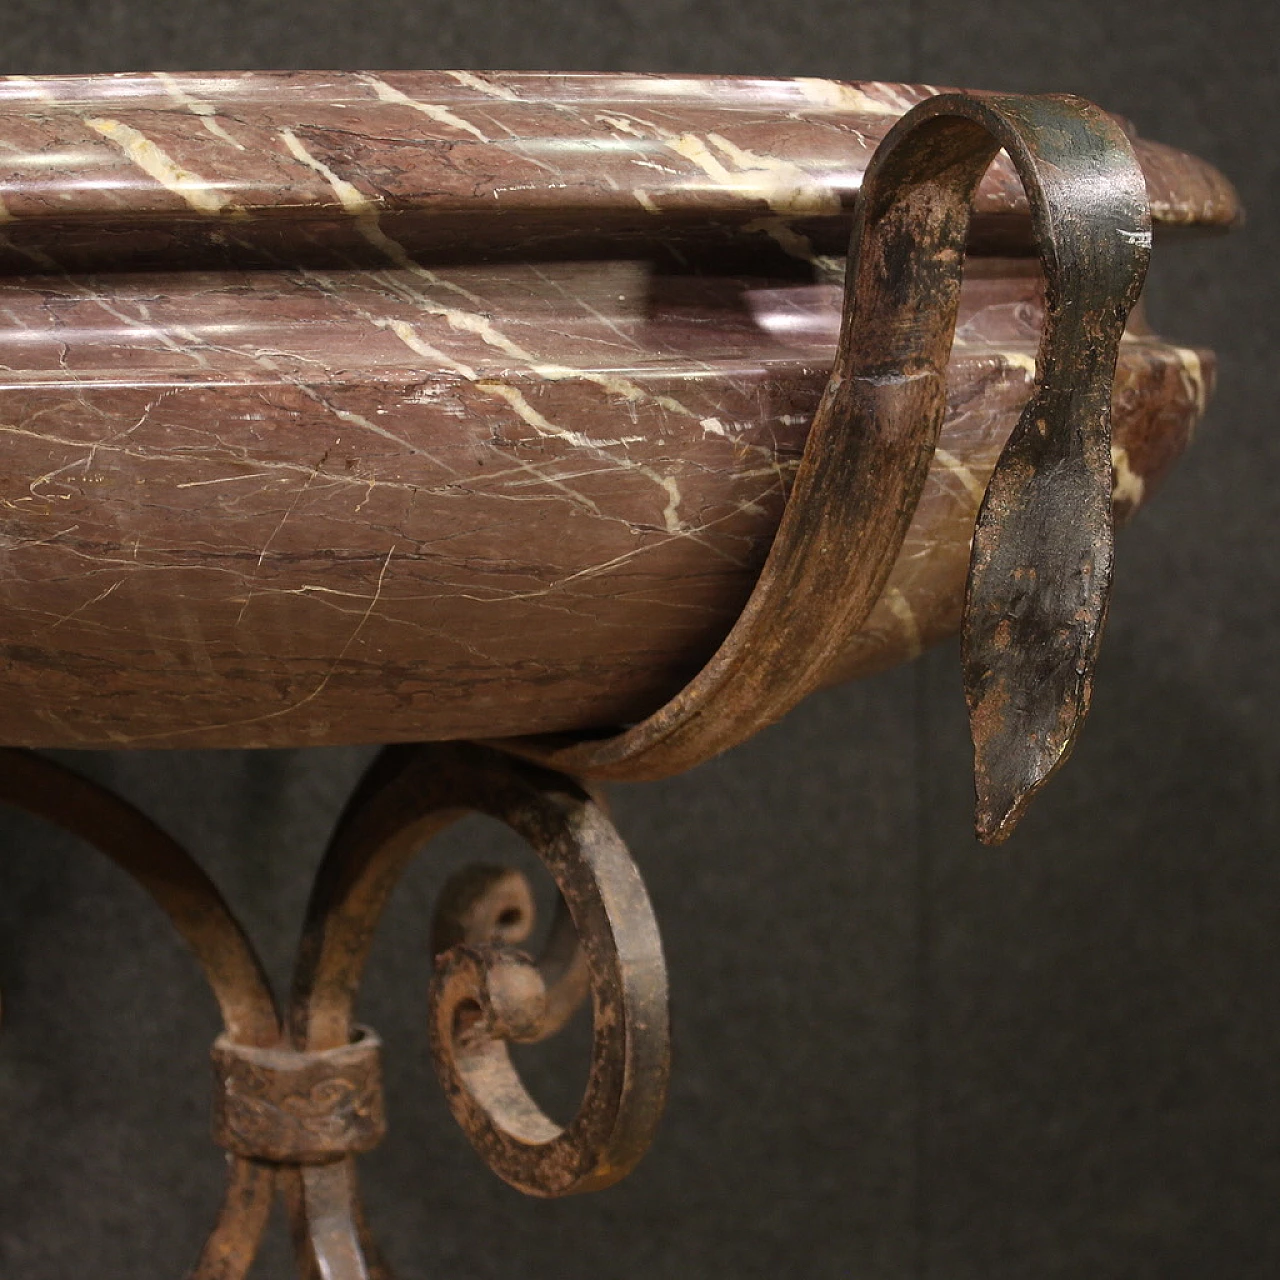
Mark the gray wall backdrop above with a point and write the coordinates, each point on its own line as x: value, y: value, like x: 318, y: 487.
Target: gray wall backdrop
x: 899, y: 1055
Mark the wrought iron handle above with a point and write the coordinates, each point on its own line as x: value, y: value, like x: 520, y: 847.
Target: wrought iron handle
x: 1041, y: 564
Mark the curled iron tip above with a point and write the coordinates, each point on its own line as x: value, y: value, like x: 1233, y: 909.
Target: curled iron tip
x: 1040, y: 569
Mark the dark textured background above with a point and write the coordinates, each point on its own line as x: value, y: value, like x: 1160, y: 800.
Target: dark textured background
x: 899, y: 1055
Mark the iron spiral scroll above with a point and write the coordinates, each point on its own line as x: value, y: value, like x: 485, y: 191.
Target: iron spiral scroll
x: 298, y: 1088
x: 298, y: 1091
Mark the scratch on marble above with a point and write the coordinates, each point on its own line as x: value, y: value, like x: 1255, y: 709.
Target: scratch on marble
x: 248, y: 475
x: 567, y: 491
x: 355, y: 634
x: 193, y: 638
x: 153, y: 455
x: 37, y: 542
x: 551, y: 282
x: 343, y: 415
x: 284, y: 519
x: 110, y: 442
x: 308, y: 698
x: 661, y: 168
x: 634, y: 553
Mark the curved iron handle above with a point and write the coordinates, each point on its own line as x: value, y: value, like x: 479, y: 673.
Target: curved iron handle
x: 1041, y: 565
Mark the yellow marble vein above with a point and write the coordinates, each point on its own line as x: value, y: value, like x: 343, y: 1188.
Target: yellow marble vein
x: 205, y: 112
x: 842, y: 97
x: 962, y: 473
x: 196, y: 191
x: 441, y: 115
x: 1129, y: 486
x: 486, y: 87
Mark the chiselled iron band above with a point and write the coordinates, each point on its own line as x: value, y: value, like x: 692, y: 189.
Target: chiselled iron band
x: 296, y: 1107
x: 299, y: 1090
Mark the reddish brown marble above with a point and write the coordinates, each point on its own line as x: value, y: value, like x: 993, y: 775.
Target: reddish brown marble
x: 277, y: 167
x: 491, y: 447
x: 269, y: 508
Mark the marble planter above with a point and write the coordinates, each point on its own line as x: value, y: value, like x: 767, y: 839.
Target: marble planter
x: 351, y: 407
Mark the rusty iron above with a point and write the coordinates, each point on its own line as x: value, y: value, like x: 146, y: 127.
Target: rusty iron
x: 487, y: 993
x: 298, y: 1087
x: 199, y: 913
x: 1040, y: 571
x: 297, y: 1097
x: 486, y: 904
x: 291, y: 1107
